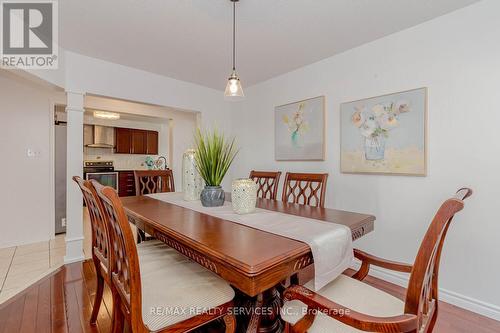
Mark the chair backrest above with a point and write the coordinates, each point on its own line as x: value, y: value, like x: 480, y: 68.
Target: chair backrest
x: 422, y: 293
x: 100, y: 234
x: 153, y: 181
x: 124, y: 263
x: 305, y: 188
x: 268, y: 182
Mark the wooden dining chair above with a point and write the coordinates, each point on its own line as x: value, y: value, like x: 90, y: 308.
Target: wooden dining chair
x: 153, y: 181
x: 100, y: 242
x: 305, y: 188
x: 267, y: 182
x: 156, y: 289
x: 349, y: 305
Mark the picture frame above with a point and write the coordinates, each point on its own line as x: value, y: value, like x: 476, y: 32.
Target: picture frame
x: 385, y: 134
x: 300, y: 130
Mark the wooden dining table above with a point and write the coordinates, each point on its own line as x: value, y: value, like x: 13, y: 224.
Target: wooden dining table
x: 254, y: 262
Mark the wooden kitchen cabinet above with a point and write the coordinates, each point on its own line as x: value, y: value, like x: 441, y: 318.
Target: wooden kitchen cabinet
x: 126, y: 183
x: 136, y: 141
x: 152, y: 143
x: 139, y: 141
x: 123, y: 140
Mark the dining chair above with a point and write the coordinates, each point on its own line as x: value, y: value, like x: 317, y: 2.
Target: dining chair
x: 153, y: 181
x: 156, y: 289
x: 305, y: 188
x: 267, y: 182
x: 349, y: 305
x: 100, y: 242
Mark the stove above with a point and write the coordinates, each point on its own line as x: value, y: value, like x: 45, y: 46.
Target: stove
x: 96, y: 166
x: 101, y: 171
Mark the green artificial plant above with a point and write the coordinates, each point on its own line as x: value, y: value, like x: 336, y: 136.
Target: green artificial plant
x: 214, y: 155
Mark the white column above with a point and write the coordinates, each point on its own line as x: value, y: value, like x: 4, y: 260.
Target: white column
x: 74, y: 167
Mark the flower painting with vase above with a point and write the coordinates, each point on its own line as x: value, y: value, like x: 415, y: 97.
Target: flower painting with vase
x: 300, y: 129
x: 214, y: 155
x: 385, y: 134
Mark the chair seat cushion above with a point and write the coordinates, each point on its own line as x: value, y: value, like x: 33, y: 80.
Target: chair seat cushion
x: 348, y: 292
x: 175, y: 288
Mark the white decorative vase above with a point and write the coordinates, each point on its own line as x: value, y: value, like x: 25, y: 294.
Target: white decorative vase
x: 192, y: 183
x: 244, y: 195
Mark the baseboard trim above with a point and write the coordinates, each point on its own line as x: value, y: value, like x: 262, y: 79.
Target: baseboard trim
x: 465, y: 302
x: 74, y: 239
x: 74, y: 250
x: 73, y: 260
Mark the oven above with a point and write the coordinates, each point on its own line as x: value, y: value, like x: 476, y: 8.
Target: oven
x: 101, y: 171
x: 105, y: 178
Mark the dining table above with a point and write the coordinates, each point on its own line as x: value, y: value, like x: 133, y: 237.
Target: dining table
x: 253, y: 261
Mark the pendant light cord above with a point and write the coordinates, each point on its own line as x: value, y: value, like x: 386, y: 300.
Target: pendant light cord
x: 234, y: 35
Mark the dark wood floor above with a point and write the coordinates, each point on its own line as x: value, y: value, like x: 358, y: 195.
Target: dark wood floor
x: 62, y: 302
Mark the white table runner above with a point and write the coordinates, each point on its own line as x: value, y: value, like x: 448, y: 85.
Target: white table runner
x: 330, y: 243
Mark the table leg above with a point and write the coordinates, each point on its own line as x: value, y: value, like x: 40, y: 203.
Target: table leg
x: 266, y: 313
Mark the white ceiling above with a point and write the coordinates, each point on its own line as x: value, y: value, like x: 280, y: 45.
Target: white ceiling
x: 190, y: 40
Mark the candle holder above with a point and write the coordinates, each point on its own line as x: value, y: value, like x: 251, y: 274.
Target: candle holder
x: 244, y: 195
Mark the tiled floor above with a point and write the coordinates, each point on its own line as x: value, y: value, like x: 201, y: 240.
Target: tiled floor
x: 20, y: 266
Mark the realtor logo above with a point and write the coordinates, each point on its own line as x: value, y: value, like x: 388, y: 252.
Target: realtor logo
x: 29, y: 34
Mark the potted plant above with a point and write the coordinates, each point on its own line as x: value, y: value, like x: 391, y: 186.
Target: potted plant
x: 214, y: 155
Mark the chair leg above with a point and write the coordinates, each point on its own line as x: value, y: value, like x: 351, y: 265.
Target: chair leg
x: 433, y: 320
x: 230, y: 321
x: 118, y: 317
x: 141, y: 236
x: 98, y: 299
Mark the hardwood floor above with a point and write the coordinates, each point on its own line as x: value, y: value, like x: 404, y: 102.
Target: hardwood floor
x: 62, y: 302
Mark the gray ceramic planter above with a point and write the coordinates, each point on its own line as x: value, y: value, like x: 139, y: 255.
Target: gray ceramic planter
x: 212, y: 196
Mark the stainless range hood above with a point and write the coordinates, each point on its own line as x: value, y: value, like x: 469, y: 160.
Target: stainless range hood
x: 96, y: 136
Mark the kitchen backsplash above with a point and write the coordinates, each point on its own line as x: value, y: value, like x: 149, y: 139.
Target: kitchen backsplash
x: 121, y: 161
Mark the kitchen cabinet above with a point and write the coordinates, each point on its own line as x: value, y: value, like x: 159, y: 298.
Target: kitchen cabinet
x: 152, y: 143
x: 139, y: 141
x: 123, y: 140
x: 126, y: 183
x: 136, y: 141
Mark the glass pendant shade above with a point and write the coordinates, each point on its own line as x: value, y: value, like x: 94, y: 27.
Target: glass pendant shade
x: 233, y: 87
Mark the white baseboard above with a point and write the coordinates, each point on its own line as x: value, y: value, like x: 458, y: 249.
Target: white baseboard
x: 483, y: 308
x: 74, y: 250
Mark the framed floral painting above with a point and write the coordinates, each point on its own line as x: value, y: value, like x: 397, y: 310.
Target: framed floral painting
x: 385, y: 134
x: 300, y: 130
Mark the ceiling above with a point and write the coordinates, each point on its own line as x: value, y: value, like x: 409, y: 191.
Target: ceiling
x: 190, y: 40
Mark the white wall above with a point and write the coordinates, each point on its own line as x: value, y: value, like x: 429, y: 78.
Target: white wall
x: 457, y: 57
x: 25, y: 202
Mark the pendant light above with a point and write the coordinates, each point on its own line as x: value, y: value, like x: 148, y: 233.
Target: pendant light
x: 233, y: 87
